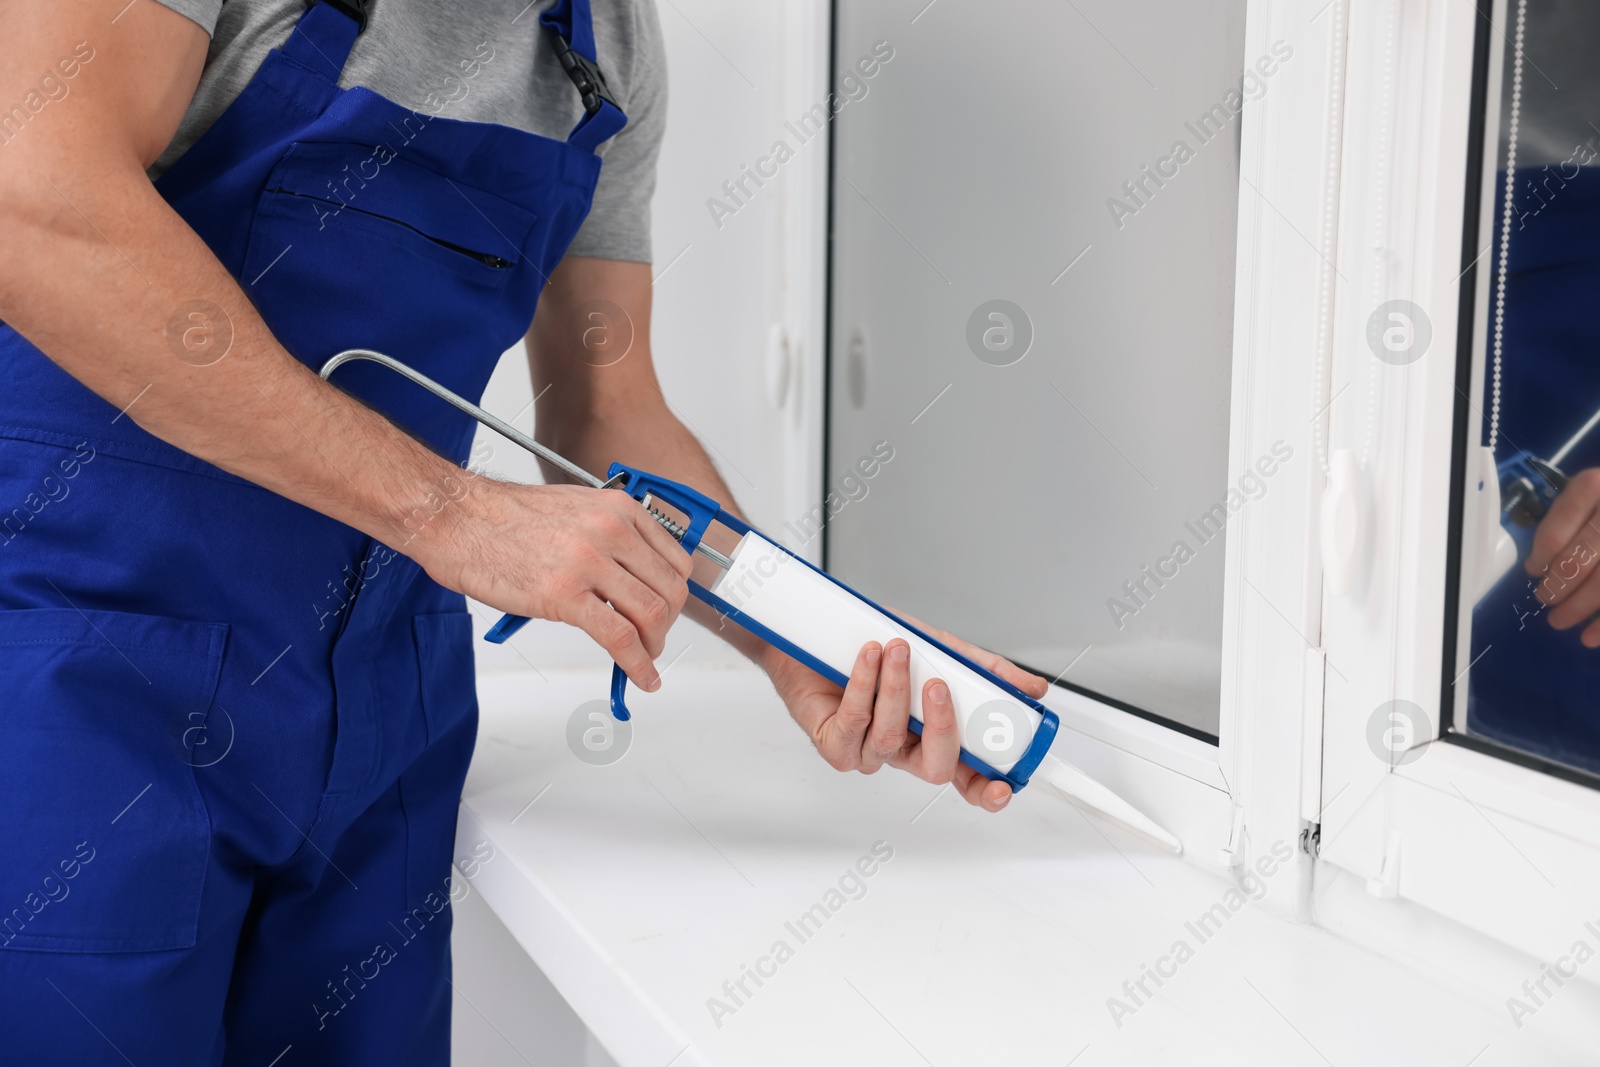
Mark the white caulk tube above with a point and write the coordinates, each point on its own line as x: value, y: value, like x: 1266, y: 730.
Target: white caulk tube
x: 1495, y: 551
x: 830, y: 623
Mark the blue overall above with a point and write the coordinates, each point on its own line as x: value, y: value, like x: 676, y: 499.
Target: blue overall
x: 1533, y: 687
x: 235, y: 731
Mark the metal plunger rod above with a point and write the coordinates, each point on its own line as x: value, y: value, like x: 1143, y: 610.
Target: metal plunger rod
x: 1555, y: 460
x: 508, y: 431
x: 505, y: 429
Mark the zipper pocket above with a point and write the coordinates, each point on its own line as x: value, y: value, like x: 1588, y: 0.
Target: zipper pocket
x: 488, y: 259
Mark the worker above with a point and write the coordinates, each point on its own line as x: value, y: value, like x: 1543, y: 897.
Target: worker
x: 202, y: 542
x: 1535, y: 677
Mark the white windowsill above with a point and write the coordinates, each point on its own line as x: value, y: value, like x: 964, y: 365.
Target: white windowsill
x: 640, y: 888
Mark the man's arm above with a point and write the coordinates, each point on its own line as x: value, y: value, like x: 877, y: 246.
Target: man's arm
x: 95, y: 262
x: 596, y: 409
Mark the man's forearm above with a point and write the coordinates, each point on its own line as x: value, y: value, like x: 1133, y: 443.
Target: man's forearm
x: 649, y: 436
x: 97, y: 264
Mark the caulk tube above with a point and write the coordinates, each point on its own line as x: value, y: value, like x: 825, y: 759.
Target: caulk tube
x: 824, y: 623
x: 1490, y: 541
x: 1005, y: 734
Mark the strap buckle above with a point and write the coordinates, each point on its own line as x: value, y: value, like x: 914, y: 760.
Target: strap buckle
x: 356, y: 10
x: 585, y: 74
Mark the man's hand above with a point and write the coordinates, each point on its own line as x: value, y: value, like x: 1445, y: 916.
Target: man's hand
x: 1565, y: 549
x: 864, y: 725
x: 592, y: 558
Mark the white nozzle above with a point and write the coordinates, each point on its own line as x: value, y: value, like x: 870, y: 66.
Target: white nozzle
x: 1079, y: 786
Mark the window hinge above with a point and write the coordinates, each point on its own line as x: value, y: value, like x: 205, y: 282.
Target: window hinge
x: 1311, y: 838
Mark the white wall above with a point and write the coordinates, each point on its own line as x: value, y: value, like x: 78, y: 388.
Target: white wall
x: 505, y: 1011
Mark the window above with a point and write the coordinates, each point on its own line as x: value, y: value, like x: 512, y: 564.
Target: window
x: 1033, y: 264
x: 1430, y: 789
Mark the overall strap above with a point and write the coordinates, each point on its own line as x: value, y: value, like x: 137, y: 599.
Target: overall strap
x: 571, y: 30
x: 322, y: 38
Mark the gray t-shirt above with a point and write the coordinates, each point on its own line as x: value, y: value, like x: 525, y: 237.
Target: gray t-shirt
x: 477, y: 60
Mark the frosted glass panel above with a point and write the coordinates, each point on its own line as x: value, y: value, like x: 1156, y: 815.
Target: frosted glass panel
x: 1032, y: 315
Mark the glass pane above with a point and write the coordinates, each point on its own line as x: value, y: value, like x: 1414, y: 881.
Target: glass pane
x: 1032, y: 321
x: 1529, y: 595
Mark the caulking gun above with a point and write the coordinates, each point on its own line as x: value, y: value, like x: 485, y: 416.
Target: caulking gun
x: 820, y: 621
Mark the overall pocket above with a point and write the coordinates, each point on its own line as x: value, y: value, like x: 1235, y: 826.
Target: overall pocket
x: 337, y: 200
x: 354, y: 246
x: 105, y: 836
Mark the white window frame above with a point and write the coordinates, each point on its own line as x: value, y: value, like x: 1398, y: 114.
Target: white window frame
x: 1230, y: 803
x: 1306, y: 661
x: 1505, y: 850
x: 1272, y: 661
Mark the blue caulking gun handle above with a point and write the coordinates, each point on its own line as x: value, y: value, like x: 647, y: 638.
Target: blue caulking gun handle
x: 1528, y: 487
x: 701, y: 511
x: 1525, y: 487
